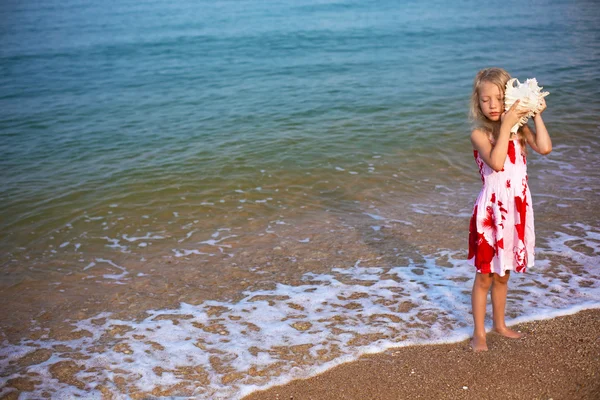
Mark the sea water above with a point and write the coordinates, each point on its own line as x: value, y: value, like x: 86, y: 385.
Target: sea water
x: 202, y: 199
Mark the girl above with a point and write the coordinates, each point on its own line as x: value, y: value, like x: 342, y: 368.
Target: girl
x: 501, y: 236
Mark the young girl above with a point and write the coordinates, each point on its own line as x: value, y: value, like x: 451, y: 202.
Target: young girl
x: 501, y: 236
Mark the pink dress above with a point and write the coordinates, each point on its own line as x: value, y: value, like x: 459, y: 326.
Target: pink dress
x: 501, y: 235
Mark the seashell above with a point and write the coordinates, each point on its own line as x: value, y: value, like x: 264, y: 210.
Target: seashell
x: 530, y: 96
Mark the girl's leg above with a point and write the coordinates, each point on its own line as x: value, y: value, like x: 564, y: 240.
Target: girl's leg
x: 481, y: 287
x: 499, y: 291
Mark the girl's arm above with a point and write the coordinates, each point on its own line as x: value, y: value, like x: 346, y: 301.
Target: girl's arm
x: 494, y: 156
x: 539, y: 140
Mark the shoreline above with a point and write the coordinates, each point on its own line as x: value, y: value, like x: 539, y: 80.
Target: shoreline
x: 558, y: 358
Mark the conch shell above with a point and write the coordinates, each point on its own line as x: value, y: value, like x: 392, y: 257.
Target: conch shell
x: 530, y: 96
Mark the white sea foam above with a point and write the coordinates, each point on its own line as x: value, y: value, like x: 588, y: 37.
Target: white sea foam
x: 187, y: 236
x: 380, y: 218
x: 272, y: 336
x: 148, y: 236
x: 115, y: 244
x: 189, y: 252
x: 116, y: 277
x: 375, y: 217
x: 90, y: 265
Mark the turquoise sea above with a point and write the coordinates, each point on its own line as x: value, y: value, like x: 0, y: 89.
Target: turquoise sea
x: 206, y: 164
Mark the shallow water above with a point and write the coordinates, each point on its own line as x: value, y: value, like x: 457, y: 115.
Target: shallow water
x: 201, y: 199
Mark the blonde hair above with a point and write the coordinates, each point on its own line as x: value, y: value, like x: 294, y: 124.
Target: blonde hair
x: 498, y: 77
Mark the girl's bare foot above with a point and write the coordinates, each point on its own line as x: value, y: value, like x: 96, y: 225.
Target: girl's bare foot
x: 478, y: 343
x: 509, y: 333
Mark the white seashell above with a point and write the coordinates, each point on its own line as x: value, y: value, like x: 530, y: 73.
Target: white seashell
x: 530, y: 96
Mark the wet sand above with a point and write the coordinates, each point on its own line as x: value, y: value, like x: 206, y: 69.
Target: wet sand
x: 557, y: 359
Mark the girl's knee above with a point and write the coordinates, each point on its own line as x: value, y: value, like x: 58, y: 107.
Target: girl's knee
x: 503, y: 280
x: 483, y: 281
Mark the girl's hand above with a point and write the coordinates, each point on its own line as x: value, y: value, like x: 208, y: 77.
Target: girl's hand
x: 543, y: 106
x: 513, y: 115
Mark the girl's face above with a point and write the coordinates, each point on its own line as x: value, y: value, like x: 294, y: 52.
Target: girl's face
x: 491, y: 101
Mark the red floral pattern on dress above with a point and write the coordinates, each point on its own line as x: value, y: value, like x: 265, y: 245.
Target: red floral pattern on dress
x: 501, y: 234
x: 503, y: 212
x: 521, y: 209
x: 511, y: 152
x: 480, y: 163
x: 479, y: 248
x: 473, y: 234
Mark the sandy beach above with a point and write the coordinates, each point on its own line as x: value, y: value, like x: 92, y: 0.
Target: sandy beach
x: 557, y: 359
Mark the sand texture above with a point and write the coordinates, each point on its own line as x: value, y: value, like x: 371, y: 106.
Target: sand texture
x: 557, y: 359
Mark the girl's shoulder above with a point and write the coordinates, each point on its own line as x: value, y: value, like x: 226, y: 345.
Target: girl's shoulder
x: 480, y: 132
